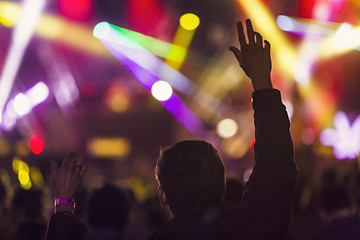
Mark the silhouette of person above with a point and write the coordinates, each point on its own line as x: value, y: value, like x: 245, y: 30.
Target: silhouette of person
x: 338, y: 205
x: 191, y: 174
x: 108, y: 212
x: 27, y: 209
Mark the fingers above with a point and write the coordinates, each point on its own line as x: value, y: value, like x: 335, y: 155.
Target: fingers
x: 259, y: 41
x: 66, y: 162
x: 81, y: 166
x: 236, y: 52
x: 267, y: 50
x: 250, y: 32
x: 241, y: 35
x: 267, y: 53
x: 267, y: 47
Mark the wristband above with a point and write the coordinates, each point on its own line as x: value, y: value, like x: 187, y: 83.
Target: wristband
x: 65, y: 201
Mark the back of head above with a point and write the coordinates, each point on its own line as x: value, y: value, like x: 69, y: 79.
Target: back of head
x: 108, y: 208
x: 191, y: 173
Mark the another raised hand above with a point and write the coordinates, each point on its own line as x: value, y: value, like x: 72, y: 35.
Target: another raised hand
x: 67, y: 179
x: 254, y: 57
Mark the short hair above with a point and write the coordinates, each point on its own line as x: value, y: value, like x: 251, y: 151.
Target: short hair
x: 192, y: 176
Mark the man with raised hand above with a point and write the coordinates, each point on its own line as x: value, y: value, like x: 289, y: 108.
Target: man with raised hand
x: 191, y: 174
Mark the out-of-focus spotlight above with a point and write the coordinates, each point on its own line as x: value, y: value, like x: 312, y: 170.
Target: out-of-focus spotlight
x: 38, y: 93
x: 9, y: 13
x: 36, y: 145
x: 21, y: 148
x: 4, y: 147
x: 344, y: 35
x: 118, y: 102
x: 22, y: 104
x: 161, y: 90
x: 227, y: 128
x: 10, y: 117
x: 19, y: 165
x: 189, y: 21
x: 24, y: 179
x: 101, y: 30
x: 285, y: 23
x: 36, y: 176
x: 109, y: 147
x: 308, y: 136
x: 345, y: 138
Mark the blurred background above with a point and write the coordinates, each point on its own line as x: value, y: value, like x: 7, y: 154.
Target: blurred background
x: 116, y: 80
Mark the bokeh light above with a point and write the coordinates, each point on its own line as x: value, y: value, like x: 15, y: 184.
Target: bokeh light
x: 101, y: 30
x: 109, y: 147
x: 22, y: 104
x: 24, y: 179
x: 36, y: 145
x: 308, y: 136
x: 161, y: 90
x: 285, y: 23
x: 19, y: 165
x: 36, y: 177
x: 227, y: 128
x: 189, y: 21
x: 38, y: 93
x: 345, y: 138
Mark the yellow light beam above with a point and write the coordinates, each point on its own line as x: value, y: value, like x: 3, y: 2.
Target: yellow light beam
x: 345, y: 39
x: 183, y: 36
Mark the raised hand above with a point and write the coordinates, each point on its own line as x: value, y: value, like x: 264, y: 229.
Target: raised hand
x: 67, y: 179
x: 254, y: 57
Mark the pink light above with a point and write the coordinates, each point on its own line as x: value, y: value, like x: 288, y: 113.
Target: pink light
x: 36, y: 145
x: 345, y: 138
x: 76, y: 9
x: 144, y: 15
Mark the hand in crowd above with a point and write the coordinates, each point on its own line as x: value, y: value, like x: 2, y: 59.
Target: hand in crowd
x: 67, y: 179
x: 254, y: 57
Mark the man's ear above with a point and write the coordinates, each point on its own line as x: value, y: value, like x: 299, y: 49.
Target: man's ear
x: 162, y: 197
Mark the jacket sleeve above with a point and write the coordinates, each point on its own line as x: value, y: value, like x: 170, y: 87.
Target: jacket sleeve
x: 268, y: 193
x: 65, y: 227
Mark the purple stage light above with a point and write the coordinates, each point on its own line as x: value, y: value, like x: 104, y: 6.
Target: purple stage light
x: 345, y: 138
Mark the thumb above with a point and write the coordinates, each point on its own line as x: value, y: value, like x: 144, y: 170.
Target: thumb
x: 237, y: 53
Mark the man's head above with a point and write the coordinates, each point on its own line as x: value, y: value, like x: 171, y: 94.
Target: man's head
x: 191, y: 176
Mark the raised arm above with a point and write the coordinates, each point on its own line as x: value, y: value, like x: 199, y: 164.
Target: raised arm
x: 254, y: 57
x: 64, y: 183
x: 268, y: 193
